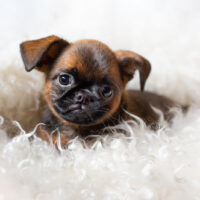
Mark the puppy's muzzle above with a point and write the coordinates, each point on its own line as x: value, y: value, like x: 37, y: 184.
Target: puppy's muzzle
x: 82, y: 98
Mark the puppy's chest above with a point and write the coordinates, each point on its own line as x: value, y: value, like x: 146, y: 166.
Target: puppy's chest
x: 54, y: 126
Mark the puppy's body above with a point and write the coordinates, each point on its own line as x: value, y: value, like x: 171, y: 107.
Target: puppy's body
x: 135, y: 102
x: 85, y: 87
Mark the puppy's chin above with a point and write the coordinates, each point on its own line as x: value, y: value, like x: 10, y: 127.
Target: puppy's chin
x: 82, y: 115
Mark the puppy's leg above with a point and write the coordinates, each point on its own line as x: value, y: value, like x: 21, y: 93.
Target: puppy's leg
x: 142, y: 103
x: 54, y: 138
x: 162, y: 103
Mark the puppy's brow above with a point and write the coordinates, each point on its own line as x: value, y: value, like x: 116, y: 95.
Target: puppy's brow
x: 60, y: 70
x: 74, y: 70
x: 65, y: 70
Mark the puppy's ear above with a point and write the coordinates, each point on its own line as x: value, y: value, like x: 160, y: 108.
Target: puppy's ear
x: 41, y: 52
x: 129, y: 62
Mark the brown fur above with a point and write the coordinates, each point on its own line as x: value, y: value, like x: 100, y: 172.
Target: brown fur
x: 92, y: 61
x: 54, y: 138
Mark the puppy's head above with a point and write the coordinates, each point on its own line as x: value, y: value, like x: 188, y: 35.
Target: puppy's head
x: 85, y: 79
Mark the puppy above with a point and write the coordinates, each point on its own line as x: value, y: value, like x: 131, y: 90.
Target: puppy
x: 85, y: 87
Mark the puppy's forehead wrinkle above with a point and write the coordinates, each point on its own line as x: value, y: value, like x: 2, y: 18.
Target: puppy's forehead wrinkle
x: 93, y: 60
x: 94, y: 57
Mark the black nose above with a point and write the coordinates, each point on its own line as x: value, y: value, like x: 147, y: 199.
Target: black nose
x: 82, y: 97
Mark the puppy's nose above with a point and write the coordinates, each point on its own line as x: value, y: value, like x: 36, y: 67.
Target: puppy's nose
x: 81, y: 97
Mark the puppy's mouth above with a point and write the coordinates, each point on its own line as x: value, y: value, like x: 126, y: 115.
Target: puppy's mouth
x: 76, y: 108
x: 80, y: 113
x: 71, y: 108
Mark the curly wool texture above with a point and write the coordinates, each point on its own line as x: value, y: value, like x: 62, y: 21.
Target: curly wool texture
x: 142, y: 165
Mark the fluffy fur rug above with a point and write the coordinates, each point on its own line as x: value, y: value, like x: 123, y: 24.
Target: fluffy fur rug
x: 143, y: 165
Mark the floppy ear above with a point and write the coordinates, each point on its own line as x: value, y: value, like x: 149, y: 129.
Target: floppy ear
x: 129, y: 62
x: 41, y: 52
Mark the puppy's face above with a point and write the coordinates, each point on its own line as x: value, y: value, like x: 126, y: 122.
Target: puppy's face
x: 85, y: 79
x: 84, y: 85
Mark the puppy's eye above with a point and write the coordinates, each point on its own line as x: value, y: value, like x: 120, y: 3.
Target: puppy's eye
x: 106, y: 91
x: 65, y: 79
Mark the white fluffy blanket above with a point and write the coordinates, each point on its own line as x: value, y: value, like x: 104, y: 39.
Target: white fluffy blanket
x: 143, y: 165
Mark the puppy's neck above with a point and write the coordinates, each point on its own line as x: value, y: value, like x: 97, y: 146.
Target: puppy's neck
x: 54, y: 125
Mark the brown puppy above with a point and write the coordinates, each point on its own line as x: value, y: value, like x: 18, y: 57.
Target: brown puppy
x: 85, y: 86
